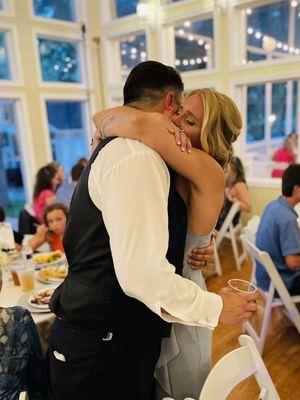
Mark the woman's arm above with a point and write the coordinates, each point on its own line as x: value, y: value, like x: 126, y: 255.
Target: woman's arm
x: 151, y: 129
x: 240, y: 193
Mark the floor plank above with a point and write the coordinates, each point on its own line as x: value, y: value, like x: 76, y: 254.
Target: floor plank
x: 282, y: 347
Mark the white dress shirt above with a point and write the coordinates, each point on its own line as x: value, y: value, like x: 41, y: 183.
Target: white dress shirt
x: 129, y: 183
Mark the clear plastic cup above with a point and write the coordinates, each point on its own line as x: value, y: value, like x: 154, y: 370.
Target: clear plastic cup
x: 26, y: 277
x: 240, y: 285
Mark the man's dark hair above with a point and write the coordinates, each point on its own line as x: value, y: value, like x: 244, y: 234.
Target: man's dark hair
x: 76, y: 172
x: 290, y: 178
x: 150, y: 81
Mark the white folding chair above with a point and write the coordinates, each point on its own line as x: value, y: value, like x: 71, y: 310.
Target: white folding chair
x: 230, y: 231
x: 23, y: 396
x: 235, y: 367
x: 276, y: 283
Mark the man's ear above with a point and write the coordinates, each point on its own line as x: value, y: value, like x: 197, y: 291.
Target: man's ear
x: 170, y: 101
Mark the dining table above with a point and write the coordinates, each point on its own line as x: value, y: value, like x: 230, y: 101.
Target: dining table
x: 12, y: 295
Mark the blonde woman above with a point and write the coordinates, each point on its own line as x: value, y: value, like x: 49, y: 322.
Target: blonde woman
x: 212, y: 122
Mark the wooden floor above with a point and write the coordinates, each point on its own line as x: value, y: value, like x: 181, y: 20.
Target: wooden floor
x: 282, y: 347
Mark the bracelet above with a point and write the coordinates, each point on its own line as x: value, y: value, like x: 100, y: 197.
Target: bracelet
x: 102, y: 126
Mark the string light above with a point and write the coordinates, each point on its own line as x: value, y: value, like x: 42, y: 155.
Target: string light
x: 181, y: 32
x: 279, y: 45
x: 248, y: 11
x: 187, y: 24
x: 294, y: 3
x: 191, y: 38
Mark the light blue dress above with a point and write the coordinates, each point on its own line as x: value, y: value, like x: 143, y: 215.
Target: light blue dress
x: 185, y: 359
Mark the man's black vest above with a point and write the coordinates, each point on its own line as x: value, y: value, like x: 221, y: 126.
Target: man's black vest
x: 91, y: 297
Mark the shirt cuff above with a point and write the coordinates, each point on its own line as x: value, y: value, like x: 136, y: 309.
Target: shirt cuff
x: 209, y: 313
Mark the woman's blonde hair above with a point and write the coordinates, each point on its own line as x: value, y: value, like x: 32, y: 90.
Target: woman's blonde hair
x: 221, y: 125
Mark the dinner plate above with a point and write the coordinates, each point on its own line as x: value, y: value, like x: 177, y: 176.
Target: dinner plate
x: 49, y: 280
x: 50, y: 264
x: 35, y: 305
x: 23, y: 302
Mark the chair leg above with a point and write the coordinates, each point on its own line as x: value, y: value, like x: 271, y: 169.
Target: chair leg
x: 218, y: 265
x: 234, y: 247
x: 264, y: 328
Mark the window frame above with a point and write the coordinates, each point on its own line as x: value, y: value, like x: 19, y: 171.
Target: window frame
x: 8, y: 9
x: 238, y: 25
x: 80, y: 14
x: 25, y: 140
x: 61, y: 97
x: 85, y: 68
x: 167, y: 52
x: 239, y: 93
x: 111, y: 45
x: 13, y: 50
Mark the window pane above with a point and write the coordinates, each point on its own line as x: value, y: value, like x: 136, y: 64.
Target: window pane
x: 1, y: 5
x: 125, y: 7
x: 268, y: 33
x: 59, y: 60
x: 278, y: 109
x: 57, y: 9
x: 255, y: 113
x: 11, y: 182
x: 4, y: 62
x: 194, y: 45
x: 133, y: 51
x: 68, y: 131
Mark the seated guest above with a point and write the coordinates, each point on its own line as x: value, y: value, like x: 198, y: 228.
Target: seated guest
x: 5, y: 235
x: 284, y: 154
x: 53, y: 229
x: 279, y: 234
x: 235, y: 190
x: 60, y: 171
x: 47, y: 180
x: 82, y: 161
x: 21, y: 360
x: 65, y: 191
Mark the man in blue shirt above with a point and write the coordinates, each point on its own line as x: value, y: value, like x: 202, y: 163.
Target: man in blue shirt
x: 279, y: 234
x: 65, y: 191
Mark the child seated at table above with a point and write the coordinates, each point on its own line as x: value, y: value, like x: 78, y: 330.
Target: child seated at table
x: 53, y: 229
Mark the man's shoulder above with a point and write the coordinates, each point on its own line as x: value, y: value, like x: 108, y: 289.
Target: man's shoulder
x: 279, y: 211
x: 120, y: 150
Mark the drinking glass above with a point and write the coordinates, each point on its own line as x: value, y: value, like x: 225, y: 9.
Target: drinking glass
x: 240, y: 285
x: 26, y: 277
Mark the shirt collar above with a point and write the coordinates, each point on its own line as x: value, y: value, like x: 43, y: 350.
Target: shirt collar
x: 286, y: 204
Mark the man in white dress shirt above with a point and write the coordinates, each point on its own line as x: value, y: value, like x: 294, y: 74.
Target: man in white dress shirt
x: 122, y: 245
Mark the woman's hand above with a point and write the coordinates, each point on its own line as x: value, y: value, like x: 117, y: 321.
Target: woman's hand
x: 180, y: 137
x: 41, y: 232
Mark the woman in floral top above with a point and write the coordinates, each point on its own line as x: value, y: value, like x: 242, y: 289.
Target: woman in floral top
x: 21, y: 361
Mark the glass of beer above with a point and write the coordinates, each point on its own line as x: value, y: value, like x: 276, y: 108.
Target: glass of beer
x: 26, y: 278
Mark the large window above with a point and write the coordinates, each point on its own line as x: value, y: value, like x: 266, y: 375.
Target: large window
x: 11, y: 182
x: 59, y: 60
x: 121, y: 8
x: 273, y: 31
x: 194, y: 45
x: 57, y: 9
x: 4, y: 61
x: 133, y: 51
x: 68, y: 131
x: 273, y: 112
x: 1, y: 5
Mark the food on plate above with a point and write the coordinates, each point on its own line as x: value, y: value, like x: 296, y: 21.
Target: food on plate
x: 50, y: 273
x: 46, y: 258
x: 42, y: 297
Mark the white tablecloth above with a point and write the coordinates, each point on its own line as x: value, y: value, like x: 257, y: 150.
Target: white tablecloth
x: 11, y: 295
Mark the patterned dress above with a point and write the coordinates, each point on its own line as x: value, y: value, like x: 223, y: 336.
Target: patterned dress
x: 21, y: 362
